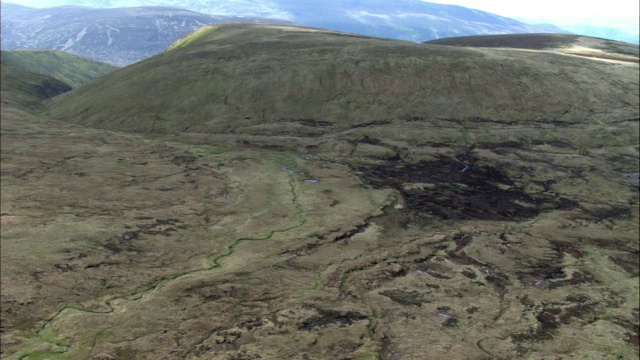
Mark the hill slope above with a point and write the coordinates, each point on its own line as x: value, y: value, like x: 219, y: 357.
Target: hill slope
x: 71, y: 69
x: 257, y: 78
x: 26, y: 90
x: 566, y: 44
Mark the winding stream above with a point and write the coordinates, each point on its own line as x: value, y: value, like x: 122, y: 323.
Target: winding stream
x: 114, y: 303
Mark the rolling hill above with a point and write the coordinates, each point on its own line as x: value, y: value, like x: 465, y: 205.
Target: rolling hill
x: 222, y: 79
x: 71, y: 69
x: 26, y: 90
x: 270, y: 192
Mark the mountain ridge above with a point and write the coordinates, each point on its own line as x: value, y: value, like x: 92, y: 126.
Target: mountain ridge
x: 61, y: 28
x: 381, y: 72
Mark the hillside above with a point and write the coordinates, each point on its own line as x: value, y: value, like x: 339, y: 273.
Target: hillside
x: 71, y: 69
x: 222, y: 78
x: 562, y: 43
x: 116, y: 36
x: 26, y: 90
x: 277, y: 192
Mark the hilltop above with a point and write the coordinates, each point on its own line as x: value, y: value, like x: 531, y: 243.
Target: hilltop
x: 577, y: 45
x: 279, y: 192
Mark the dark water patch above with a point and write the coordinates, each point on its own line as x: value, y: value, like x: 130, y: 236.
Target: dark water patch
x: 459, y: 189
x: 406, y: 298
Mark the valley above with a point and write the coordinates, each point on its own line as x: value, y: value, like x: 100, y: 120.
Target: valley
x: 269, y: 192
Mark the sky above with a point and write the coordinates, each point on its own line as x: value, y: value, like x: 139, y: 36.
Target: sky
x: 610, y: 13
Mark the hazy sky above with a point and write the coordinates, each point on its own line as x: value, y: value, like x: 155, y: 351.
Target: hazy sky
x: 599, y: 13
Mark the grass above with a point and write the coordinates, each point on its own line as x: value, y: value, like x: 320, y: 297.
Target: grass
x: 71, y: 69
x: 27, y: 90
x: 203, y: 241
x: 232, y: 78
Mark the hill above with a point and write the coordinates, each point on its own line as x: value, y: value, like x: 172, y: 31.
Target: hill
x: 276, y: 192
x: 116, y: 36
x: 567, y: 44
x: 26, y: 90
x: 71, y: 69
x: 222, y: 78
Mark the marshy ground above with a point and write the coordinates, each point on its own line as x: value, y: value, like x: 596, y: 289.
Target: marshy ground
x: 410, y: 237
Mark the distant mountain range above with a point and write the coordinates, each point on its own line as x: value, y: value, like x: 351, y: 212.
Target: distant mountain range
x: 412, y: 20
x: 121, y: 36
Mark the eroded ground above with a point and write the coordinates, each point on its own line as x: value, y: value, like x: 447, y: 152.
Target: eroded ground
x: 434, y: 244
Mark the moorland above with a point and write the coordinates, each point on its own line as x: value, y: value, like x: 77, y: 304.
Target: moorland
x: 267, y: 192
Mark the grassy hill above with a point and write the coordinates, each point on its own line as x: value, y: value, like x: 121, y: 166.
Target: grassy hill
x: 71, y: 69
x: 26, y: 89
x: 249, y: 78
x: 567, y: 44
x: 290, y: 193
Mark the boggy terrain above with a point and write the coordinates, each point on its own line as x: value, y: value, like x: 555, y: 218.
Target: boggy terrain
x: 408, y: 231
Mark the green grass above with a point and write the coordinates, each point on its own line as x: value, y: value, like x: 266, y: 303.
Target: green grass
x: 229, y: 78
x: 26, y: 89
x: 71, y: 69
